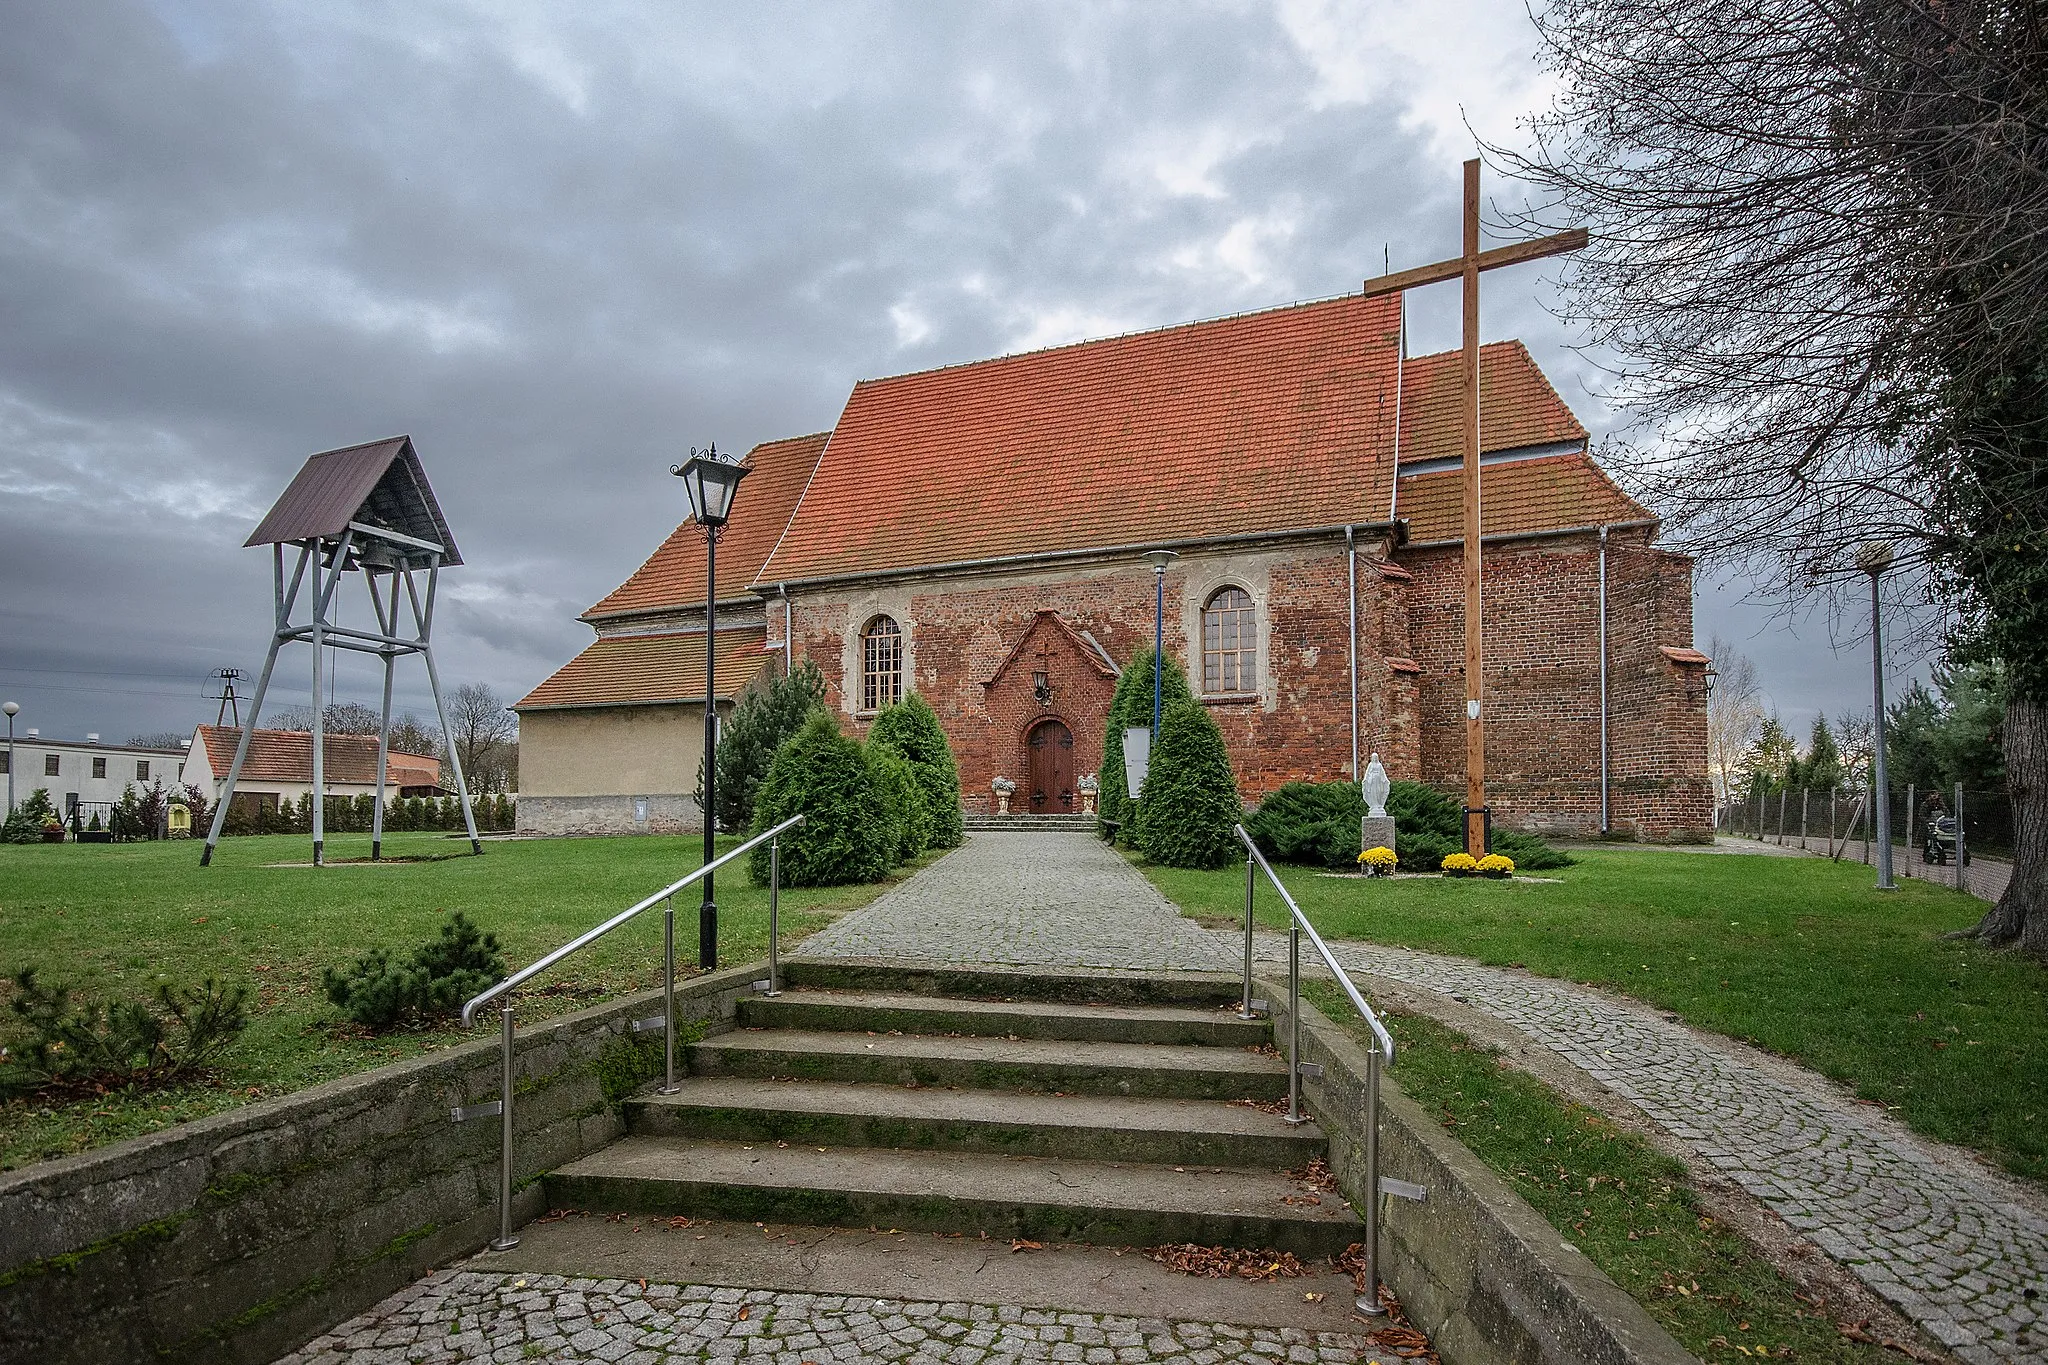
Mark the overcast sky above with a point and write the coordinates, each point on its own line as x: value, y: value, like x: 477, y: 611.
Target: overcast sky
x: 558, y: 244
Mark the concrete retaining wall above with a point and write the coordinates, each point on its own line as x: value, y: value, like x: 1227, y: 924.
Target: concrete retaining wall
x: 237, y: 1237
x: 1474, y: 1265
x: 652, y: 814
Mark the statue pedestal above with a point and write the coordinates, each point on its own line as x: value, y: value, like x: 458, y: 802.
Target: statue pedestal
x: 1376, y: 832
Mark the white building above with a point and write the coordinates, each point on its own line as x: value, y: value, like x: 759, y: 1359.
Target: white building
x: 279, y: 768
x: 85, y: 771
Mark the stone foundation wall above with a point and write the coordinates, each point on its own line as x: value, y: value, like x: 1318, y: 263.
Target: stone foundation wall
x: 237, y: 1237
x: 1473, y: 1264
x: 656, y: 814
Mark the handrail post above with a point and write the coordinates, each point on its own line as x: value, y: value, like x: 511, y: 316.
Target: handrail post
x: 505, y: 1240
x: 1251, y: 869
x: 774, y: 916
x: 1368, y: 1301
x: 1294, y: 1114
x: 668, y: 996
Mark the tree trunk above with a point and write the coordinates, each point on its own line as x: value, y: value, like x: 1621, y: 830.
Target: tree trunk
x: 2021, y: 916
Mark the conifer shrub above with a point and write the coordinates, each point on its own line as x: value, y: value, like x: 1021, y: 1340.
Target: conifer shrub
x: 25, y: 825
x: 1430, y: 826
x: 747, y: 740
x: 1188, y: 806
x: 62, y: 1040
x: 1310, y: 822
x: 849, y: 834
x: 507, y: 812
x: 912, y: 728
x: 380, y: 992
x: 904, y: 800
x: 1131, y: 705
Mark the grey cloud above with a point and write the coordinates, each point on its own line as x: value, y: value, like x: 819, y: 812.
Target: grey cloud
x: 559, y: 244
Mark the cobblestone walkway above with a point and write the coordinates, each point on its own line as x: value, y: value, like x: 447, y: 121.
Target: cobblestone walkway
x: 461, y: 1315
x: 1051, y: 900
x: 1960, y: 1250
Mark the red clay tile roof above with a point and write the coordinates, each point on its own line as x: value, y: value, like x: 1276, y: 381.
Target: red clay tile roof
x: 627, y: 670
x: 287, y: 756
x: 1266, y: 421
x: 1527, y: 495
x: 1684, y: 658
x: 673, y: 575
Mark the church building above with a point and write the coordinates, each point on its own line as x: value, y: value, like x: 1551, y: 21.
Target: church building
x: 980, y: 532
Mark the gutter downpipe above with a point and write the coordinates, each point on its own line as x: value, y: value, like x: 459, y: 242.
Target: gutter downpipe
x: 1606, y: 824
x: 788, y: 641
x: 1351, y: 569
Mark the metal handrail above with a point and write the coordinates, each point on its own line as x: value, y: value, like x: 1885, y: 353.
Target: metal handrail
x: 1382, y: 1053
x: 501, y: 992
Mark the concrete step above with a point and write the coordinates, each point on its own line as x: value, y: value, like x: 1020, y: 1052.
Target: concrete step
x: 898, y: 1012
x: 1027, y: 1064
x: 989, y: 823
x: 1082, y: 1127
x: 1004, y: 1197
x: 1080, y: 986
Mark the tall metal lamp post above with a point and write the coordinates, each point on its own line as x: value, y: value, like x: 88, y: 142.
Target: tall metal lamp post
x: 12, y: 709
x: 1874, y: 557
x: 1158, y: 559
x: 711, y: 482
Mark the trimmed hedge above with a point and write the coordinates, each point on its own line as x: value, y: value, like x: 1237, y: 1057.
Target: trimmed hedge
x: 912, y: 729
x: 1131, y: 706
x: 1310, y: 822
x: 903, y: 800
x: 1189, y: 805
x: 750, y: 735
x: 849, y: 834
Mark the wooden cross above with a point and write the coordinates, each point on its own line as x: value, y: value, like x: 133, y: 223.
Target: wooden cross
x: 1467, y: 267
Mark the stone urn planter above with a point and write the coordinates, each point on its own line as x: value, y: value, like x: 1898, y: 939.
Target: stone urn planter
x: 1004, y: 789
x: 1087, y: 786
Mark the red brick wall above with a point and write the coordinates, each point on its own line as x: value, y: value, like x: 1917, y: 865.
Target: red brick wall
x: 1542, y: 675
x: 1542, y: 684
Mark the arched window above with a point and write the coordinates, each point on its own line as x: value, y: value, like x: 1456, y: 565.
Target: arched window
x: 881, y: 664
x: 1230, y: 640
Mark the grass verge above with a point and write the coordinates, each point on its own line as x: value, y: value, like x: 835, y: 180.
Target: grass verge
x: 1619, y: 1200
x: 1796, y: 955
x: 114, y: 919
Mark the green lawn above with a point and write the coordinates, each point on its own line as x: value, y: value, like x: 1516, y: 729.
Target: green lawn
x: 1612, y: 1195
x: 1797, y: 955
x: 118, y: 918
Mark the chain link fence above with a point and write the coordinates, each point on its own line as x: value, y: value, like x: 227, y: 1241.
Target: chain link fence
x: 1928, y: 842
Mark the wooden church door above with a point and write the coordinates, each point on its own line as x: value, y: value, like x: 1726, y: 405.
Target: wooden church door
x: 1052, y: 768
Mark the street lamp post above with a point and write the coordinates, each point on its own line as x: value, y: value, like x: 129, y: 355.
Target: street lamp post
x: 1158, y: 559
x: 711, y: 482
x: 1874, y: 557
x: 13, y: 709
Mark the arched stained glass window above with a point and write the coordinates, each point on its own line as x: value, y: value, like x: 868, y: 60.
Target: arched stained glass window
x: 881, y: 664
x: 1230, y: 640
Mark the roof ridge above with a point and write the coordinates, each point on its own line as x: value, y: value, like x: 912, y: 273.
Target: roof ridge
x: 798, y: 505
x: 1161, y: 329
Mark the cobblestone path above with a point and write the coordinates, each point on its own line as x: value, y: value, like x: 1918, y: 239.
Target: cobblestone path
x: 1962, y: 1251
x: 461, y: 1315
x: 1045, y: 899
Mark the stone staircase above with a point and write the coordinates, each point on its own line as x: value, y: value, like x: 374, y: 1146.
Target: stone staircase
x: 1084, y: 823
x: 1079, y: 1107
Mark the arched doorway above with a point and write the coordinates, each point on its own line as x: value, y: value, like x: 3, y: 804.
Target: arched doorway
x: 1050, y: 746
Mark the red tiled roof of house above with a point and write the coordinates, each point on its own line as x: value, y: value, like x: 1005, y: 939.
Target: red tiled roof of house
x: 673, y: 575
x: 1546, y: 494
x: 628, y: 670
x: 1265, y: 421
x: 287, y: 756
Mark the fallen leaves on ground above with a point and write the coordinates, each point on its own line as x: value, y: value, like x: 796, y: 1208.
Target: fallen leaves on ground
x: 1399, y: 1336
x: 1860, y: 1331
x: 1263, y: 1106
x: 1026, y: 1244
x: 1316, y: 1175
x: 1217, y: 1263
